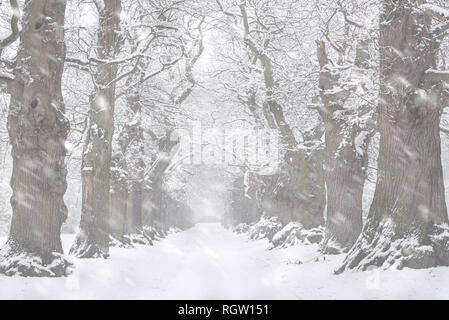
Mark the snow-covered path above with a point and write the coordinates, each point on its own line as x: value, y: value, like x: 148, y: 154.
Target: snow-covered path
x: 209, y: 262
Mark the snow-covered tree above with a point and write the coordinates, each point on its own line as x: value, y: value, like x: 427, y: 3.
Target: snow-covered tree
x: 408, y: 223
x: 347, y: 87
x: 37, y: 130
x: 93, y: 238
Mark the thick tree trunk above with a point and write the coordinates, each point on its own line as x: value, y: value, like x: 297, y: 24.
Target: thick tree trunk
x: 135, y: 206
x: 93, y: 239
x: 345, y: 177
x: 407, y: 224
x: 156, y: 201
x: 244, y: 206
x: 345, y: 156
x: 118, y: 200
x: 128, y: 187
x: 308, y: 186
x: 135, y: 153
x: 37, y: 131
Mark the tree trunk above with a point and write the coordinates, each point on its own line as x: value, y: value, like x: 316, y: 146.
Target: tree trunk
x: 93, y: 239
x: 135, y: 153
x: 37, y: 130
x: 156, y: 201
x: 345, y: 177
x: 130, y: 166
x: 308, y: 185
x: 118, y: 200
x: 345, y: 153
x: 407, y: 224
x: 244, y: 206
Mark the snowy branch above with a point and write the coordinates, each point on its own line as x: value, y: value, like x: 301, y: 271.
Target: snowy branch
x: 435, y: 11
x: 347, y: 18
x: 5, y: 79
x: 224, y: 11
x: 438, y: 13
x: 189, y: 66
x: 144, y: 77
x: 14, y: 27
x: 437, y: 75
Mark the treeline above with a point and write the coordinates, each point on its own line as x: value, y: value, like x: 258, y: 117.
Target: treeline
x: 124, y: 200
x: 379, y: 69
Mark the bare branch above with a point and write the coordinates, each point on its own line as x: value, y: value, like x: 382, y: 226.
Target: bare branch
x: 224, y: 11
x: 144, y: 77
x: 5, y: 80
x: 189, y: 66
x: 437, y: 75
x: 326, y: 34
x: 440, y: 14
x: 14, y: 26
x: 437, y: 12
x: 346, y: 17
x: 444, y: 130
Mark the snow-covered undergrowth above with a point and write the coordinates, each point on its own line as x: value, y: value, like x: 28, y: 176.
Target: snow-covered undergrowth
x: 380, y: 248
x: 153, y: 233
x: 14, y: 261
x: 210, y: 262
x: 145, y: 237
x: 242, y: 228
x: 294, y: 233
x: 266, y: 227
x: 172, y: 230
x: 130, y: 240
x: 278, y: 235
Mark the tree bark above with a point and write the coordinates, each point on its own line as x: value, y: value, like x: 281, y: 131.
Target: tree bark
x: 244, y: 202
x: 127, y: 178
x: 93, y: 238
x: 407, y: 224
x: 346, y: 162
x: 119, y: 198
x: 155, y: 202
x: 37, y: 130
x: 135, y: 151
x: 345, y: 177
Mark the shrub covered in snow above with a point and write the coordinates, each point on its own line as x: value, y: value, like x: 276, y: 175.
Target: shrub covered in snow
x: 15, y: 260
x: 241, y: 228
x: 266, y: 227
x: 153, y: 233
x: 129, y: 240
x: 382, y: 248
x: 173, y: 230
x: 294, y: 233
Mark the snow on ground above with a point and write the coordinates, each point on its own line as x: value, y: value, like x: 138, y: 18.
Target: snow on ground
x: 210, y: 262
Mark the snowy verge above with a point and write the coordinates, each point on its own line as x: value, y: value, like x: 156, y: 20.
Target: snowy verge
x: 380, y: 247
x: 280, y: 236
x: 266, y: 227
x: 130, y: 240
x: 14, y: 260
x: 147, y: 236
x: 294, y: 233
